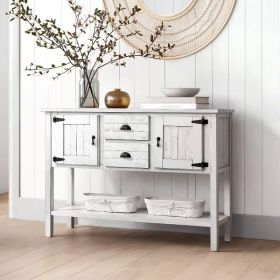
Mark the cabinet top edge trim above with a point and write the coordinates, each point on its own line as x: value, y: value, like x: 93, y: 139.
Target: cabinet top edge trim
x: 139, y: 111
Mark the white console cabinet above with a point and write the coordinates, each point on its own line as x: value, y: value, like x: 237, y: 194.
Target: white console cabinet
x: 175, y: 141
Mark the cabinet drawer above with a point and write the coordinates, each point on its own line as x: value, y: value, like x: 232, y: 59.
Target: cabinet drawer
x: 130, y: 155
x: 128, y: 127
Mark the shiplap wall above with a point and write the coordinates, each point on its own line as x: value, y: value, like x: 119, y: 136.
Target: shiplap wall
x: 239, y: 70
x: 4, y: 98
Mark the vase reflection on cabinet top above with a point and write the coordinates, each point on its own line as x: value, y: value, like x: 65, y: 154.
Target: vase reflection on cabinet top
x: 117, y: 99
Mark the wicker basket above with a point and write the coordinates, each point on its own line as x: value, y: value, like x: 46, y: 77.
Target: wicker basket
x: 112, y: 203
x: 175, y: 208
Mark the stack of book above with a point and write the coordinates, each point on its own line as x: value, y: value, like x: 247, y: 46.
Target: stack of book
x: 197, y: 102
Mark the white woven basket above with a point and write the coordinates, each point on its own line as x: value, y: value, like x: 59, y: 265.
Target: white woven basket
x: 112, y: 203
x: 175, y: 208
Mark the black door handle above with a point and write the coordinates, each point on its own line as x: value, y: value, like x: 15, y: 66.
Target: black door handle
x: 56, y: 159
x: 92, y: 140
x: 125, y: 127
x: 125, y: 155
x: 158, y: 141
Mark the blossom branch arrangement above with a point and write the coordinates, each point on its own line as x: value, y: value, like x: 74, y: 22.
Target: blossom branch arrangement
x: 90, y: 45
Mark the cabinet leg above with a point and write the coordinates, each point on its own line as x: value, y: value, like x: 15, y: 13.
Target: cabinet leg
x: 71, y: 198
x: 214, y: 212
x: 49, y: 203
x: 227, y: 206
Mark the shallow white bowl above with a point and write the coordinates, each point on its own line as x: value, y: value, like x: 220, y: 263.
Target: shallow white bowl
x: 180, y: 92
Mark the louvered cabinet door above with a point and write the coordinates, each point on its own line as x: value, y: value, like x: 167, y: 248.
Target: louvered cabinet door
x: 75, y: 139
x: 182, y: 141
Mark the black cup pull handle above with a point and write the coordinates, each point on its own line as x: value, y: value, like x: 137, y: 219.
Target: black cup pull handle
x: 158, y: 141
x: 125, y: 155
x: 125, y: 127
x: 93, y: 140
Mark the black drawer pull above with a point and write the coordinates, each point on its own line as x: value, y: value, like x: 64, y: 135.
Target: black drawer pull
x: 125, y: 155
x: 92, y: 140
x: 125, y: 127
x: 158, y: 141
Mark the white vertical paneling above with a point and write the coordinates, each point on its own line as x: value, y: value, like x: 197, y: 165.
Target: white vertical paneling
x: 253, y: 108
x: 146, y: 183
x: 271, y: 112
x: 68, y: 81
x: 220, y: 70
x: 113, y: 182
x: 204, y: 71
x: 82, y: 176
x: 163, y: 184
x: 156, y: 77
x: 130, y: 183
x: 157, y: 67
x: 141, y: 80
x: 127, y: 74
x: 50, y: 95
x: 27, y: 112
x: 236, y: 66
x: 180, y: 186
x: 191, y: 187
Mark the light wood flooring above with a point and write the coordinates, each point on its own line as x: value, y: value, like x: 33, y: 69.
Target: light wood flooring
x: 104, y: 253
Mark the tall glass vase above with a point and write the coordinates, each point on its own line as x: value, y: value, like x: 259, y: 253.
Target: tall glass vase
x: 88, y: 90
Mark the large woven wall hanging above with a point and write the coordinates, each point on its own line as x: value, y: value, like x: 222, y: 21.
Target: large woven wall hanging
x: 191, y: 29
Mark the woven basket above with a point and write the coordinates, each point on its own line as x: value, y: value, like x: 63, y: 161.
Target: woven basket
x: 111, y: 203
x: 175, y: 208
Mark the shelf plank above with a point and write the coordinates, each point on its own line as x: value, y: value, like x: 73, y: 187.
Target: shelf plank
x: 129, y: 110
x: 140, y: 217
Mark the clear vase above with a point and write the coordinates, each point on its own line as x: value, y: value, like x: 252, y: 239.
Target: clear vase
x: 88, y: 90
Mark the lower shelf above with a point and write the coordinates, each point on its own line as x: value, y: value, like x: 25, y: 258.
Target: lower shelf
x: 141, y: 217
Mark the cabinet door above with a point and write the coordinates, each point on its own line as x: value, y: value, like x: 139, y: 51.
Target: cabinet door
x: 75, y: 139
x: 182, y: 144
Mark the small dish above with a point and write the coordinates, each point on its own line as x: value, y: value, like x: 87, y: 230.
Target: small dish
x: 180, y: 92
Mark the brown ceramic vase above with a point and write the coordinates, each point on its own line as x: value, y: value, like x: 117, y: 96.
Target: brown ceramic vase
x: 117, y: 99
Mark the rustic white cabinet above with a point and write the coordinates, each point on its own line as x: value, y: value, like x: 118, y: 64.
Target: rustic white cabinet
x: 188, y: 141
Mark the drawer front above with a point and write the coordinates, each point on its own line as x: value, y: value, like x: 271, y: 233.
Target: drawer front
x: 129, y: 155
x: 126, y: 127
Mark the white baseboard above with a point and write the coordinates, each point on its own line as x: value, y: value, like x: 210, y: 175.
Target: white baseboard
x: 246, y: 226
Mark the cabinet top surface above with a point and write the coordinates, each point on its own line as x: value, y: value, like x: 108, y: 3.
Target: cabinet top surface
x: 147, y: 111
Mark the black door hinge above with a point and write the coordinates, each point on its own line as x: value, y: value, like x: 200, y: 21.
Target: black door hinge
x: 55, y: 119
x: 203, y: 121
x: 56, y: 159
x: 200, y: 164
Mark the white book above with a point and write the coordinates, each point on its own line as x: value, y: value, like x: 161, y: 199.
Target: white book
x: 185, y: 100
x: 174, y: 106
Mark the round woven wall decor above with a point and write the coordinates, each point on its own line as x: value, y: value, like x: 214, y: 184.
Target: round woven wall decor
x: 190, y: 30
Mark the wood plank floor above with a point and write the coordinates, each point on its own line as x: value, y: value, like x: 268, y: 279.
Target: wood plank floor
x: 103, y: 254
